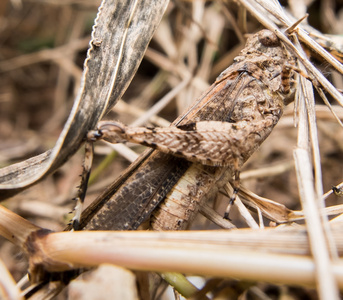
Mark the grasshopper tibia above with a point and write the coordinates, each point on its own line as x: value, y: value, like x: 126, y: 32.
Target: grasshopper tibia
x: 236, y: 184
x: 82, y: 189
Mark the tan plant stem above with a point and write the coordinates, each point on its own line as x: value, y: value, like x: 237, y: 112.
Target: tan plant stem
x: 215, y: 253
x: 15, y: 228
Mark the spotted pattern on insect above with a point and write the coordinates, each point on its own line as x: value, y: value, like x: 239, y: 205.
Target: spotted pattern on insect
x: 254, y: 92
x: 212, y: 143
x: 223, y: 128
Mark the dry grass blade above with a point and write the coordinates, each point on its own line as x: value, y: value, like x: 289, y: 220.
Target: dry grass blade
x: 325, y: 279
x: 268, y: 171
x: 277, y: 212
x: 216, y: 218
x: 122, y: 107
x: 43, y: 55
x: 276, y: 10
x: 8, y: 288
x: 310, y: 192
x: 270, y: 209
x: 327, y: 286
x: 242, y: 209
x: 110, y: 62
x: 154, y: 110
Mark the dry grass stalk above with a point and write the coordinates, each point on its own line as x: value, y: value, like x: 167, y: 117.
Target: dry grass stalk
x: 44, y: 55
x: 147, y: 251
x: 8, y: 288
x: 310, y: 188
x: 15, y: 228
x: 278, y: 253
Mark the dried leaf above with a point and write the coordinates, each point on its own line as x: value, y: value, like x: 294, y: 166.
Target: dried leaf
x: 113, y: 59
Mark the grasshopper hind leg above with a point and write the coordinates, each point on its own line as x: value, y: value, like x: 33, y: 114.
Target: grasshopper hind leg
x: 236, y: 184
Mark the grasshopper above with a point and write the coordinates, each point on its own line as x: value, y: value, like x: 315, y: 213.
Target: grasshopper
x: 203, y: 148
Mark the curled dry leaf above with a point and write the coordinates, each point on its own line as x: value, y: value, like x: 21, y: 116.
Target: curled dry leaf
x: 113, y: 58
x: 278, y: 212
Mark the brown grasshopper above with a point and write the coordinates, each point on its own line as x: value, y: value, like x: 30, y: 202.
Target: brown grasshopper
x: 218, y: 133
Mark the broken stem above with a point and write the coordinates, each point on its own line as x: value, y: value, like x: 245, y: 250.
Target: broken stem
x: 15, y: 228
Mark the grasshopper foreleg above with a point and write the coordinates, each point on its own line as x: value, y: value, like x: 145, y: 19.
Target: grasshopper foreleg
x: 82, y: 189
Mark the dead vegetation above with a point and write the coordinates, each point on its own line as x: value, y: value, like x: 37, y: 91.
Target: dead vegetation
x: 43, y: 47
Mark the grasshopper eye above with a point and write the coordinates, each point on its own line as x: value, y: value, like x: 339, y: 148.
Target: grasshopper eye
x: 268, y: 38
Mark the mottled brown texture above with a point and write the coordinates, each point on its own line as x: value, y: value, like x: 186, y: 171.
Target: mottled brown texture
x: 223, y: 128
x: 252, y: 109
x: 133, y: 201
x: 212, y: 143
